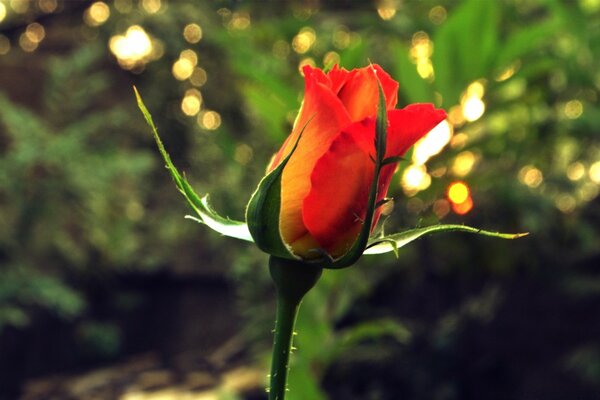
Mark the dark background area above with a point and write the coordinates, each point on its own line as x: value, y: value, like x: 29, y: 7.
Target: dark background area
x: 106, y: 291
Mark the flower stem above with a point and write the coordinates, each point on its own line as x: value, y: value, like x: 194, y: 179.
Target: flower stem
x: 293, y: 279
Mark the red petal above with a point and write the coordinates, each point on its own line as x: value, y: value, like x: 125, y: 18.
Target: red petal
x: 327, y: 116
x: 360, y: 94
x: 334, y: 209
x: 336, y: 205
x: 408, y: 125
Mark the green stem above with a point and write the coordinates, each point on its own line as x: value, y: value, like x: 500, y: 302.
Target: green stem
x: 293, y: 279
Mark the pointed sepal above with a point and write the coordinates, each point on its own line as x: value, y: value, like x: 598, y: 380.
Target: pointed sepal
x: 262, y: 213
x: 205, y: 213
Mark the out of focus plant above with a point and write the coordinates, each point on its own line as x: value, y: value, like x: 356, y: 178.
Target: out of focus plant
x: 70, y: 192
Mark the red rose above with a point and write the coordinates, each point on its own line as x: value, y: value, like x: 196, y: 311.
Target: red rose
x: 325, y: 183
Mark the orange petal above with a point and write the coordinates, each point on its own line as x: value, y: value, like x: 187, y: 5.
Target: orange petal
x: 360, y: 94
x: 327, y: 117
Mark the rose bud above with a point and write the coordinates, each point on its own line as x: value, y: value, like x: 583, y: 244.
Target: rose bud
x: 322, y: 194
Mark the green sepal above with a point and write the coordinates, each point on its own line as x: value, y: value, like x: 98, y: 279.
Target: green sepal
x: 206, y: 214
x: 397, y: 240
x: 362, y: 241
x: 262, y: 213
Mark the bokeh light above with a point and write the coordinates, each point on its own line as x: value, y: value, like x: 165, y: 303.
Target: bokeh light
x: 35, y: 32
x: 47, y: 6
x: 463, y: 163
x: 576, y: 171
x: 458, y: 192
x: 304, y: 40
x: 531, y: 176
x: 20, y: 6
x: 414, y: 179
x: 471, y: 102
x: 420, y: 53
x: 191, y: 102
x: 459, y: 195
x: 135, y: 48
x: 209, y: 120
x: 437, y: 15
x: 151, y: 6
x: 2, y: 12
x: 182, y: 69
x: 387, y: 9
x: 573, y: 109
x: 594, y: 172
x: 97, y: 14
x: 192, y: 33
x: 432, y: 143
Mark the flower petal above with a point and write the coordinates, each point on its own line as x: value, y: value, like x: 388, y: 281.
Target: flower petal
x: 360, y: 93
x: 334, y: 209
x: 408, y: 125
x: 322, y: 117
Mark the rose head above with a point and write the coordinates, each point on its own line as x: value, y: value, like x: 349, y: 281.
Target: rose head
x: 325, y: 183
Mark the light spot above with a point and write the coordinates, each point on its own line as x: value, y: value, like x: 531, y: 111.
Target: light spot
x: 414, y: 179
x: 594, y: 172
x: 576, y: 171
x: 473, y: 108
x: 182, y: 69
x: 458, y: 192
x: 243, y: 154
x: 19, y: 6
x: 47, y: 6
x: 209, y: 120
x: 304, y: 40
x: 192, y: 33
x: 573, y: 109
x: 387, y: 9
x: 341, y: 38
x: 531, y: 176
x: 441, y: 208
x: 26, y: 44
x: 239, y: 21
x: 97, y: 14
x: 35, y: 32
x: 2, y: 12
x: 189, y: 55
x: 330, y: 59
x: 437, y: 15
x: 198, y: 77
x: 432, y: 143
x: 565, y: 203
x: 151, y: 6
x: 472, y: 105
x: 191, y: 102
x: 132, y: 49
x: 306, y: 61
x: 463, y: 163
x: 463, y: 208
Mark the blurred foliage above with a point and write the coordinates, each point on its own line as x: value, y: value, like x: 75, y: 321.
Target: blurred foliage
x: 84, y: 197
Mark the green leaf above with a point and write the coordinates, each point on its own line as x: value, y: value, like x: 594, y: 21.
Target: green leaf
x: 206, y: 214
x: 395, y: 241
